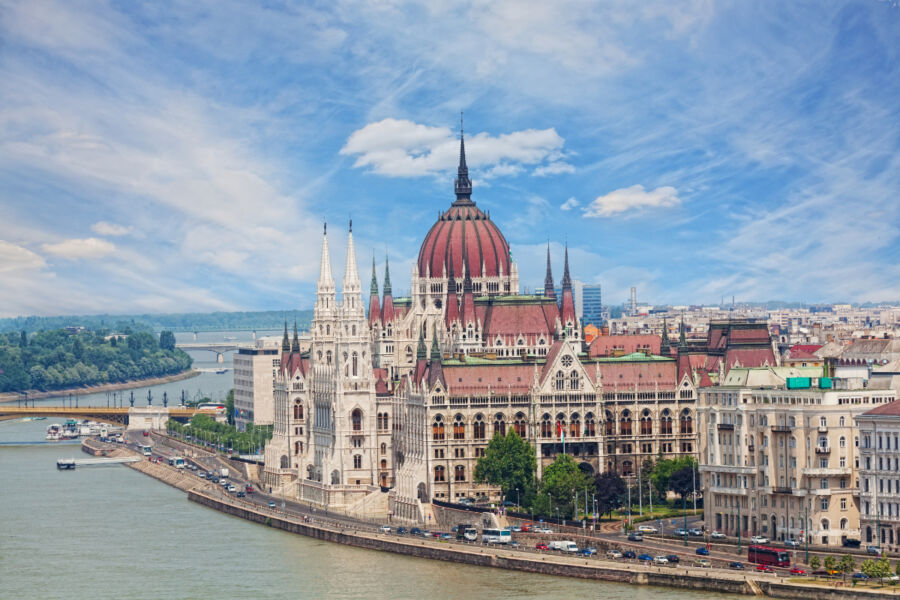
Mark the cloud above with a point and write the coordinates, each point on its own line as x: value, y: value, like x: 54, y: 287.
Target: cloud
x: 402, y: 148
x: 17, y: 258
x: 569, y: 204
x: 111, y: 229
x: 554, y: 168
x: 632, y: 198
x: 77, y: 249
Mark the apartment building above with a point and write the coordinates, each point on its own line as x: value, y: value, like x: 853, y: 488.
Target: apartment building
x: 779, y: 453
x: 879, y: 473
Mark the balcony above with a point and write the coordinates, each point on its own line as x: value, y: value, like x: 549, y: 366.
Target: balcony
x: 782, y: 428
x: 826, y: 471
x: 728, y: 490
x: 726, y: 426
x: 823, y: 449
x: 781, y: 489
x: 823, y: 429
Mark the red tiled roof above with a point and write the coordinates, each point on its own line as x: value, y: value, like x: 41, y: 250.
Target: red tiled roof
x: 807, y: 348
x: 705, y: 381
x: 750, y: 357
x: 533, y: 321
x: 464, y: 231
x: 387, y: 310
x: 644, y: 375
x: 887, y: 410
x: 624, y: 344
x: 479, y: 379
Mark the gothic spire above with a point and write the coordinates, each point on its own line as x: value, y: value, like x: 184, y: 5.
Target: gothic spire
x: 373, y: 290
x: 351, y: 273
x: 295, y: 344
x: 664, y: 344
x: 682, y: 338
x: 387, y: 277
x: 435, y: 349
x: 325, y: 268
x: 566, y: 280
x: 463, y: 185
x: 285, y: 342
x: 421, y: 353
x: 548, y: 278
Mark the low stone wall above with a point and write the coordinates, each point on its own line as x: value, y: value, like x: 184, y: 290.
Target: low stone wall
x: 777, y: 589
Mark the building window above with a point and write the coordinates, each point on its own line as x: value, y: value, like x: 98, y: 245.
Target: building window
x: 610, y: 424
x: 824, y: 506
x: 687, y: 422
x: 519, y: 425
x: 439, y: 473
x: 478, y: 428
x: 573, y: 380
x: 437, y: 428
x: 575, y: 426
x: 459, y: 473
x: 499, y: 424
x: 646, y: 423
x: 625, y: 423
x: 843, y: 507
x: 665, y: 423
x: 546, y: 426
x: 560, y: 381
x: 459, y: 428
x: 357, y: 461
x: 589, y: 425
x: 356, y: 420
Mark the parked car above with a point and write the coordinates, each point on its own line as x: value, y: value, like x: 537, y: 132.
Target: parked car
x: 647, y: 529
x: 446, y: 536
x: 248, y: 488
x: 661, y: 560
x: 271, y: 504
x: 629, y: 554
x: 702, y: 562
x: 507, y: 503
x: 891, y: 578
x: 635, y: 536
x: 385, y: 529
x: 759, y: 539
x: 527, y: 527
x: 241, y: 494
x: 673, y: 558
x: 402, y: 531
x: 516, y: 529
x: 736, y: 565
x: 791, y: 543
x: 541, y: 546
x: 861, y: 576
x: 703, y: 551
x: 695, y: 532
x: 764, y: 569
x: 415, y: 531
x: 681, y: 531
x: 231, y: 488
x: 589, y: 551
x: 717, y: 536
x: 851, y: 543
x: 613, y: 554
x: 797, y: 571
x: 545, y: 530
x: 873, y: 550
x: 645, y: 558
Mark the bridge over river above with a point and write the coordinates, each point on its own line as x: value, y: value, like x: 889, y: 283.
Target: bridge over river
x: 220, y: 348
x: 135, y: 417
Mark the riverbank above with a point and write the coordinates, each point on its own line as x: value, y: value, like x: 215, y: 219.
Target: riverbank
x: 98, y: 389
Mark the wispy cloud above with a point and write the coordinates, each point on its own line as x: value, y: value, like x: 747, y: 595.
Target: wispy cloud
x: 17, y: 258
x: 111, y: 229
x: 569, y: 204
x: 630, y: 199
x: 81, y: 249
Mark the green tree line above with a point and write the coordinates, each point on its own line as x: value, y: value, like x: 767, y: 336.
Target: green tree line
x: 208, y: 431
x: 60, y: 359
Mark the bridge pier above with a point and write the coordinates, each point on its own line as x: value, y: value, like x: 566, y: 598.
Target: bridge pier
x: 220, y: 357
x: 254, y: 335
x: 195, y: 336
x: 148, y: 417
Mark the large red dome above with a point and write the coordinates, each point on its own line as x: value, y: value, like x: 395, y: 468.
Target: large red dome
x: 464, y: 231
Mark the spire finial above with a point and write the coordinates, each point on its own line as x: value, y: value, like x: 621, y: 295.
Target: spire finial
x: 463, y: 185
x: 373, y: 290
x: 351, y: 224
x: 325, y: 228
x: 566, y: 280
x: 548, y: 278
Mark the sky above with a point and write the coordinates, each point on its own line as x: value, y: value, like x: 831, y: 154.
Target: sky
x: 184, y: 156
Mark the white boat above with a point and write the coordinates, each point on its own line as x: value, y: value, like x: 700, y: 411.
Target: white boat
x: 53, y: 432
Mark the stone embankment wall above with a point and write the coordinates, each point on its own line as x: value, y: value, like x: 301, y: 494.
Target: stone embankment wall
x: 177, y: 478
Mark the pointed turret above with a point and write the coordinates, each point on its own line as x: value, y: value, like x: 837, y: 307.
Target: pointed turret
x: 421, y: 351
x: 285, y: 342
x: 548, y: 278
x: 664, y: 346
x: 387, y: 303
x: 295, y: 343
x: 374, y: 306
x: 325, y: 293
x: 463, y: 185
x: 568, y: 299
x: 435, y: 347
x: 325, y: 275
x: 451, y: 310
x: 351, y: 292
x: 682, y: 334
x: 351, y: 271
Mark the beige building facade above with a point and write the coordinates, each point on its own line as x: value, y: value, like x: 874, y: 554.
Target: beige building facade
x: 254, y: 376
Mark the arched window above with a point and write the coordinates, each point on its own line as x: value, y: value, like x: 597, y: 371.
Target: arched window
x: 842, y: 421
x: 437, y: 428
x: 328, y: 357
x: 355, y: 364
x: 844, y: 523
x: 383, y: 448
x: 383, y: 464
x: 573, y: 380
x: 439, y: 473
x: 646, y: 423
x: 589, y: 425
x: 575, y: 426
x: 298, y: 410
x: 610, y: 424
x: 665, y: 422
x: 335, y: 476
x: 687, y: 422
x: 546, y: 426
x: 626, y: 468
x: 356, y: 419
x: 478, y: 427
x: 459, y: 473
x: 357, y: 461
x: 826, y: 524
x: 519, y: 425
x: 625, y: 423
x: 297, y: 447
x: 560, y: 381
x: 459, y: 428
x: 842, y: 442
x: 560, y: 424
x: 284, y: 462
x: 499, y: 424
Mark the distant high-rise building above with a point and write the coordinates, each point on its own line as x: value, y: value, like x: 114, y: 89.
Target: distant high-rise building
x: 633, y: 300
x: 592, y: 304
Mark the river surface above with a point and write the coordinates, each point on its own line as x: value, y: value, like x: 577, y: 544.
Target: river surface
x: 100, y: 532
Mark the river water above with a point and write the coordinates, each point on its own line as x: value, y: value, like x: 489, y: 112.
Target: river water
x: 114, y: 532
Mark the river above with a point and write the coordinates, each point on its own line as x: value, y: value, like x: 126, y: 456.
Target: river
x: 111, y: 531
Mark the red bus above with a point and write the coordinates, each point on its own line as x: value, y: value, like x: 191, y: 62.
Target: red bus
x: 763, y: 555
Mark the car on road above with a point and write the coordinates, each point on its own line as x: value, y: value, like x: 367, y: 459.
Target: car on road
x: 645, y: 558
x: 271, y: 504
x: 736, y: 565
x: 527, y: 527
x: 514, y: 545
x: 673, y: 558
x: 717, y: 536
x: 589, y: 551
x: 425, y: 534
x: 146, y: 433
x: 635, y: 536
x: 402, y: 531
x: 702, y: 562
x: 797, y: 571
x: 681, y: 531
x: 385, y: 529
x: 241, y: 494
x: 873, y: 550
x: 231, y: 488
x: 891, y: 578
x: 764, y: 569
x: 544, y: 530
x: 759, y: 539
x: 647, y: 529
x: 791, y: 543
x: 507, y: 503
x: 861, y: 576
x: 613, y: 554
x: 248, y: 488
x: 415, y: 531
x: 695, y: 532
x: 541, y: 546
x: 851, y: 543
x: 446, y: 536
x: 661, y: 560
x: 629, y: 554
x: 703, y: 551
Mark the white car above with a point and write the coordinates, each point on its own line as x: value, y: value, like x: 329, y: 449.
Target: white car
x: 613, y: 554
x: 544, y: 530
x: 661, y: 560
x: 648, y: 529
x: 759, y: 539
x: 385, y: 529
x: 717, y: 536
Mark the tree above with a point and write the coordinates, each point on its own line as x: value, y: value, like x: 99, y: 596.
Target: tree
x: 814, y: 562
x: 664, y: 469
x: 167, y: 341
x: 23, y: 340
x: 229, y: 407
x: 882, y: 568
x: 682, y: 481
x: 830, y: 563
x: 510, y: 462
x: 610, y: 488
x: 847, y: 564
x: 868, y: 567
x: 562, y: 480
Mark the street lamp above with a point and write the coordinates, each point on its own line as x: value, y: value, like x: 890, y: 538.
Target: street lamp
x: 518, y: 507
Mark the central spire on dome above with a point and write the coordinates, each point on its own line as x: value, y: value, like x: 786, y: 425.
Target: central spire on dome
x: 463, y: 185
